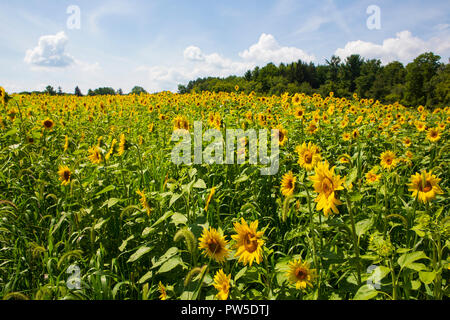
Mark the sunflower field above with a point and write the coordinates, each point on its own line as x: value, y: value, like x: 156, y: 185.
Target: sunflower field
x: 92, y: 207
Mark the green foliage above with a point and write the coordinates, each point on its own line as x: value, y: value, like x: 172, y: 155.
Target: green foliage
x: 425, y: 81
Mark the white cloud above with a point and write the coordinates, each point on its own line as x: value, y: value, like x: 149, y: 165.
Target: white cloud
x: 198, y: 64
x: 50, y: 52
x: 404, y: 47
x: 193, y: 53
x: 268, y: 50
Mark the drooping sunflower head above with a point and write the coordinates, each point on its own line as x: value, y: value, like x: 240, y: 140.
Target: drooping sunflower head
x: 214, y: 245
x: 95, y: 155
x: 122, y: 145
x: 300, y: 274
x: 326, y: 183
x: 288, y: 184
x: 308, y: 156
x: 162, y: 291
x: 143, y: 200
x: 222, y: 284
x: 388, y: 160
x: 249, y: 242
x: 425, y: 186
x: 64, y: 175
x: 313, y: 127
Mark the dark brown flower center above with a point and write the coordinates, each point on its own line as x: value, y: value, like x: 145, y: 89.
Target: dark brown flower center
x: 250, y: 242
x: 66, y: 175
x: 425, y: 188
x: 327, y: 186
x: 48, y: 123
x: 214, y: 246
x: 308, y: 157
x: 300, y: 274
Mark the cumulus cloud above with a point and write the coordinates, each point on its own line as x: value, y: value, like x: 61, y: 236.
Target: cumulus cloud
x: 194, y: 54
x: 198, y: 64
x: 268, y: 50
x: 404, y: 47
x: 50, y: 52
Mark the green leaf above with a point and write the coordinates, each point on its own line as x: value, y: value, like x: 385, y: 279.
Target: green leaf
x: 427, y: 277
x: 139, y: 253
x: 200, y: 184
x: 241, y: 179
x: 240, y: 274
x: 407, y: 259
x: 125, y: 242
x: 111, y: 202
x: 169, y: 254
x: 170, y: 264
x: 415, y: 285
x: 145, y: 277
x: 351, y: 176
x: 107, y: 189
x: 179, y: 218
x: 149, y: 230
x: 363, y: 226
x: 366, y: 292
x: 174, y: 198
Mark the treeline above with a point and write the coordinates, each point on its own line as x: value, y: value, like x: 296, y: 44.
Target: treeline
x: 96, y: 92
x: 425, y: 81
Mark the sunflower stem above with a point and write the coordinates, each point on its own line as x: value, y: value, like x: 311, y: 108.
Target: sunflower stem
x: 355, y: 240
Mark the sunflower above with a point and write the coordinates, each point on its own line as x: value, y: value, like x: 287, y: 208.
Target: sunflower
x: 288, y: 184
x: 308, y: 155
x: 300, y: 274
x: 299, y: 113
x: 372, y: 177
x: 48, y: 124
x: 420, y: 126
x: 355, y: 134
x: 64, y: 175
x: 407, y: 142
x: 249, y: 242
x: 434, y: 134
x: 425, y: 186
x: 282, y: 135
x: 144, y: 202
x: 211, y: 194
x: 122, y: 145
x: 66, y: 143
x: 312, y: 127
x: 95, y: 155
x: 326, y: 183
x: 346, y: 136
x: 345, y: 158
x: 296, y: 99
x: 222, y: 284
x: 388, y: 160
x: 111, y: 150
x: 162, y: 291
x: 214, y: 244
x: 180, y: 122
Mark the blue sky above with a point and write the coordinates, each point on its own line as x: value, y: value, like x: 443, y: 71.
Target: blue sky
x: 159, y: 44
